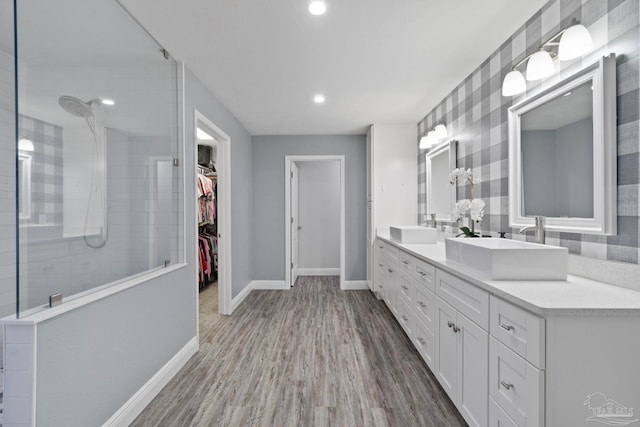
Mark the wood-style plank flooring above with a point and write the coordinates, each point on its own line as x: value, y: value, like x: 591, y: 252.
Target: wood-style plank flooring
x: 311, y: 356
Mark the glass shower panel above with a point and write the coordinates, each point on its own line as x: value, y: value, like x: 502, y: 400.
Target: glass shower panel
x: 98, y: 104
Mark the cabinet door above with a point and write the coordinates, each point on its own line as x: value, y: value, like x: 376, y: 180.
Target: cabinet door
x: 446, y: 349
x: 473, y: 372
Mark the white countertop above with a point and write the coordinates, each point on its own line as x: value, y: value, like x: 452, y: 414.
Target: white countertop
x: 575, y: 296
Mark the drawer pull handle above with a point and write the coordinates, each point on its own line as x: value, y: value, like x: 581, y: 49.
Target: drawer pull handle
x: 405, y: 288
x: 506, y: 327
x: 405, y: 262
x: 379, y: 265
x: 404, y: 318
x: 421, y: 304
x: 390, y: 270
x: 450, y: 324
x: 453, y: 325
x: 506, y: 385
x: 456, y: 329
x: 421, y: 341
x: 422, y: 273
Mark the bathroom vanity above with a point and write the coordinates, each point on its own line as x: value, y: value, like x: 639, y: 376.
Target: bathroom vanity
x: 515, y: 352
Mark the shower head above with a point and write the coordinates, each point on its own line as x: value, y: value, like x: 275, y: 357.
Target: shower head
x: 75, y: 106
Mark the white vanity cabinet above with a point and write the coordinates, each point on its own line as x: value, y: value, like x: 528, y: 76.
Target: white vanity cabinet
x: 504, y: 365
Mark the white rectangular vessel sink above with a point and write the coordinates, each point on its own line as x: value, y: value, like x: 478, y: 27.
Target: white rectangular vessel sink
x: 413, y: 234
x: 504, y: 259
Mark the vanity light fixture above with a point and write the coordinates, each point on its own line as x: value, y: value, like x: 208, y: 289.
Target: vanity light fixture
x: 570, y: 43
x: 318, y: 98
x: 317, y: 7
x: 434, y: 136
x: 25, y: 144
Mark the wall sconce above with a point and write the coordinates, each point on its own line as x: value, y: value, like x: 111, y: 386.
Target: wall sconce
x: 570, y: 43
x: 434, y: 136
x: 25, y: 144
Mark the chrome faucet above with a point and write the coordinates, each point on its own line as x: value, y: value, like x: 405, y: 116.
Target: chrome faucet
x: 538, y: 228
x: 426, y: 220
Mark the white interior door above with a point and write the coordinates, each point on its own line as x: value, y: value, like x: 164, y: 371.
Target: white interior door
x: 295, y: 225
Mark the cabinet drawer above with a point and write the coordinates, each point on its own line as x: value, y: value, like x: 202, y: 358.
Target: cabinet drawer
x: 516, y: 385
x: 497, y: 417
x: 519, y: 330
x: 387, y: 250
x: 407, y: 289
x: 425, y: 274
x: 406, y: 318
x: 425, y: 307
x: 424, y: 341
x: 468, y: 299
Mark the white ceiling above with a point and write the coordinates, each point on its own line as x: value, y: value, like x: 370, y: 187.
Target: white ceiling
x: 377, y: 61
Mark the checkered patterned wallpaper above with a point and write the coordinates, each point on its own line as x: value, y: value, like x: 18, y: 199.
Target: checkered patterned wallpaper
x: 46, y: 169
x: 476, y: 115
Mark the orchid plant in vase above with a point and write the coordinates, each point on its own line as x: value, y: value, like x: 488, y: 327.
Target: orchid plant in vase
x: 475, y: 207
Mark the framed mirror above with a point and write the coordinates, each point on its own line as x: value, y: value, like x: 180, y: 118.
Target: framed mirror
x: 441, y: 195
x: 562, y: 154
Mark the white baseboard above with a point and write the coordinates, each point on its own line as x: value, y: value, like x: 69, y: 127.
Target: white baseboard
x: 237, y: 300
x: 318, y: 271
x: 136, y: 404
x: 269, y: 284
x: 355, y: 285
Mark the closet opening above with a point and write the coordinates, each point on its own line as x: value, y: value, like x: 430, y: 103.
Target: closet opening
x: 212, y: 193
x: 314, y: 217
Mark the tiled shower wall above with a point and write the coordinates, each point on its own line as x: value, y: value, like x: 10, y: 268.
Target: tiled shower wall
x: 476, y: 116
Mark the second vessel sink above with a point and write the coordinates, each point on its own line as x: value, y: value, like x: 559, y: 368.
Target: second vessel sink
x: 413, y: 234
x: 504, y: 259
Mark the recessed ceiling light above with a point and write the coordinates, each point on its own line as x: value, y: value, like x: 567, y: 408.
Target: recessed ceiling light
x: 317, y: 7
x: 319, y: 98
x: 107, y: 101
x: 202, y: 135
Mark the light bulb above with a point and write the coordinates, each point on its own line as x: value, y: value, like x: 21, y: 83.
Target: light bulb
x: 428, y: 140
x: 107, y: 101
x: 539, y: 66
x: 25, y: 144
x: 513, y: 84
x: 319, y: 98
x: 575, y: 42
x: 317, y: 7
x: 440, y: 131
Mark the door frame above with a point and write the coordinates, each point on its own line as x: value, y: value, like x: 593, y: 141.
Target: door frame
x: 223, y: 205
x: 288, y: 159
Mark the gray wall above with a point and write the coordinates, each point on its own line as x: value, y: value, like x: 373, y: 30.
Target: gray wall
x: 319, y: 214
x: 197, y: 96
x: 268, y: 199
